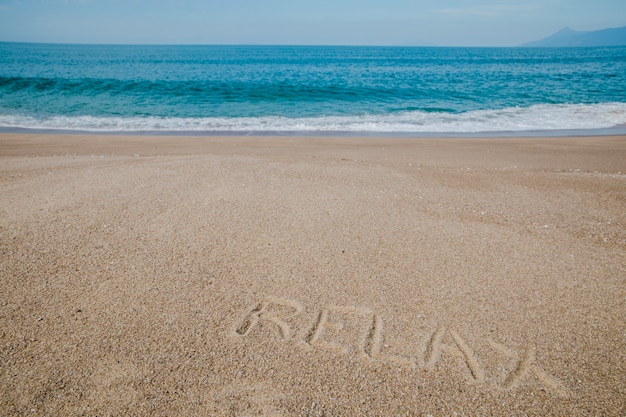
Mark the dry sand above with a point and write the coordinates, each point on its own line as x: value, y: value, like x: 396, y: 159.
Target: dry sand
x: 287, y: 276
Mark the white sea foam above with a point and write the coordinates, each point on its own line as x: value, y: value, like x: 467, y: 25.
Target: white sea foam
x: 515, y: 119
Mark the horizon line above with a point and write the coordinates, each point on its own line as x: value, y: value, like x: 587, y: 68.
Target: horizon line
x: 282, y: 45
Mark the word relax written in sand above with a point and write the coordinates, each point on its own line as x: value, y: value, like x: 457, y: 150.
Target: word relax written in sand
x: 359, y: 331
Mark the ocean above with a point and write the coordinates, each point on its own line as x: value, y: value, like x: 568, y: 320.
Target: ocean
x: 324, y: 90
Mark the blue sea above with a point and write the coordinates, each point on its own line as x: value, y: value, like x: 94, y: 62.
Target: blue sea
x: 312, y: 90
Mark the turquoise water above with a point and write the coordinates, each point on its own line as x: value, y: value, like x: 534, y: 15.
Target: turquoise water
x: 311, y: 89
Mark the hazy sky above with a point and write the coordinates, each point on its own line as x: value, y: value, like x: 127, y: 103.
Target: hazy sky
x: 321, y: 22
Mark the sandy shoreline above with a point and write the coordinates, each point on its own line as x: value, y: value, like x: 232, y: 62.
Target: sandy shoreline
x: 312, y: 276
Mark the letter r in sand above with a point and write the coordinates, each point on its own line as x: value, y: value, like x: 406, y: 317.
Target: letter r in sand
x: 273, y: 310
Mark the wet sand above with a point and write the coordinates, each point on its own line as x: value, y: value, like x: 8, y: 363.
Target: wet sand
x: 294, y: 276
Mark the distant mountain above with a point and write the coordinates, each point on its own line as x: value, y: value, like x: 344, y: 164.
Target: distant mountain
x: 569, y: 37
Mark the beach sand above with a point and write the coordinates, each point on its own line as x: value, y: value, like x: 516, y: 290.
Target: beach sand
x: 282, y: 276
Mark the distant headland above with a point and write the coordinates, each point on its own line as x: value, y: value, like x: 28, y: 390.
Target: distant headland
x: 570, y: 37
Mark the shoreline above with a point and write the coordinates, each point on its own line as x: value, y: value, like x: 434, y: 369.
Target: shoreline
x: 237, y: 275
x: 609, y: 131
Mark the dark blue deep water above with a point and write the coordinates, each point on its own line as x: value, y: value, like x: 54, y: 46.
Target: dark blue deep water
x: 311, y: 89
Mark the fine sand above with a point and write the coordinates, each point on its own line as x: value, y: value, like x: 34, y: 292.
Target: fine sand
x: 279, y: 276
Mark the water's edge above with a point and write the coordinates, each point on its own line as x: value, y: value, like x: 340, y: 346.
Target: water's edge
x: 613, y: 131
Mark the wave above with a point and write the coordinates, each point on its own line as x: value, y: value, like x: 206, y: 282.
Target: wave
x: 543, y: 117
